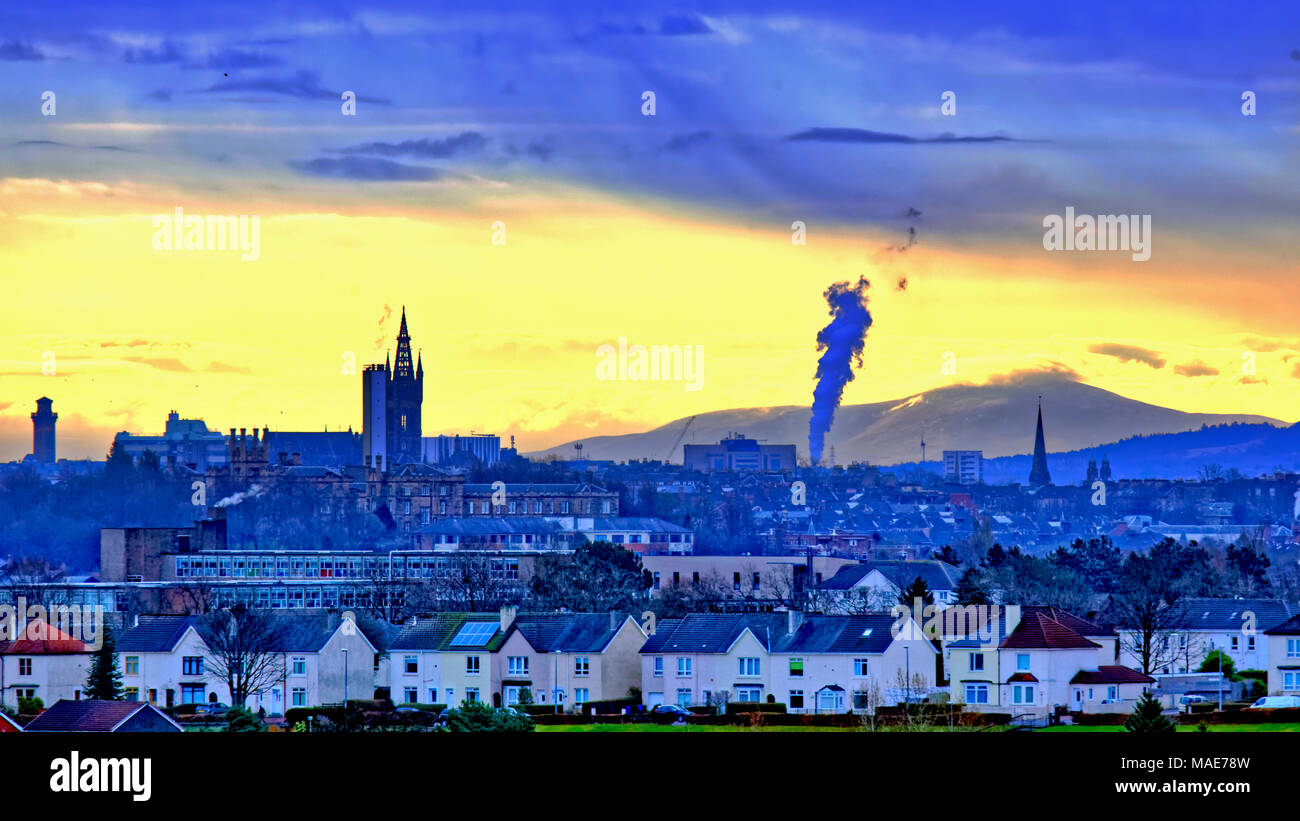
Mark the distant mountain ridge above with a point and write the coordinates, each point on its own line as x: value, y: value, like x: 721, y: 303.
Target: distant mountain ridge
x: 1249, y: 449
x: 997, y: 418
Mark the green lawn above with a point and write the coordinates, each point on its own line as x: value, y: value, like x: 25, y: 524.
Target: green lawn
x: 715, y: 728
x: 1214, y: 728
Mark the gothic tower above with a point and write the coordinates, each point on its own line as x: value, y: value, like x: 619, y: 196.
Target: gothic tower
x: 404, y: 396
x: 43, y: 441
x: 1038, y: 474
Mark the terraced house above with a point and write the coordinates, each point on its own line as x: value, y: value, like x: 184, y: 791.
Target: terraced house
x: 809, y: 663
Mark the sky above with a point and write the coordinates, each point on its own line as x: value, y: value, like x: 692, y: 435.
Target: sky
x: 502, y: 181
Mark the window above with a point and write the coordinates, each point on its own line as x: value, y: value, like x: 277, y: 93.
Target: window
x: 1022, y: 662
x: 471, y: 695
x: 861, y: 699
x: 1250, y: 642
x: 192, y: 665
x: 1235, y: 642
x: 795, y: 701
x: 299, y: 666
x: 1293, y: 648
x: 517, y: 665
x: 581, y: 695
x: 976, y: 662
x: 24, y: 667
x: 1290, y: 681
x: 830, y: 701
x: 412, y: 665
x: 683, y: 665
x: 433, y: 695
x: 131, y: 694
x: 192, y: 693
x: 659, y: 665
x: 656, y: 580
x: 1022, y: 694
x: 796, y: 667
x: 977, y: 694
x: 749, y: 695
x: 860, y: 668
x: 683, y: 696
x: 471, y: 665
x: 131, y: 666
x: 298, y: 696
x: 749, y: 666
x: 1112, y: 692
x: 581, y: 666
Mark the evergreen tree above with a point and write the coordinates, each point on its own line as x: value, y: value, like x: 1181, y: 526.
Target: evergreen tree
x: 1148, y: 717
x: 104, y: 682
x: 918, y: 589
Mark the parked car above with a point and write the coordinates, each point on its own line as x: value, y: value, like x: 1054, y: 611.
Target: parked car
x: 1185, y: 700
x: 214, y: 709
x: 670, y: 713
x: 1275, y: 702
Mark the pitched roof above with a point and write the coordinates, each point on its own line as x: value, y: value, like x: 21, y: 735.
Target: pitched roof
x: 1111, y: 674
x: 1290, y: 627
x: 89, y: 716
x: 937, y: 575
x: 1228, y: 615
x: 40, y: 638
x: 1038, y: 631
x: 568, y: 632
x: 436, y: 633
x: 1079, y: 625
x: 154, y: 634
x: 477, y: 525
x: 1023, y: 677
x: 711, y: 632
x: 715, y: 633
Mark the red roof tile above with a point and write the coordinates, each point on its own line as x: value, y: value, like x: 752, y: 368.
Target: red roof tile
x: 1023, y: 677
x: 1038, y: 631
x: 1112, y: 674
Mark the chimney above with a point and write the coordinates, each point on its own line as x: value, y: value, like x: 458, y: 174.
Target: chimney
x: 793, y: 621
x: 508, y: 617
x: 297, y: 459
x: 614, y: 619
x: 284, y: 457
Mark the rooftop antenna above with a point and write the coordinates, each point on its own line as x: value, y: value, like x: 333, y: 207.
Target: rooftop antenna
x: 923, y: 448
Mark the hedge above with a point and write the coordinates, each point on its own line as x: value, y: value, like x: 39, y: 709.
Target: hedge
x: 734, y: 707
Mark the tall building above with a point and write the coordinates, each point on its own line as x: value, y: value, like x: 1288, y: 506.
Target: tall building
x: 393, y: 435
x: 43, y: 441
x: 963, y: 467
x: 184, y: 442
x: 1038, y: 474
x: 739, y: 453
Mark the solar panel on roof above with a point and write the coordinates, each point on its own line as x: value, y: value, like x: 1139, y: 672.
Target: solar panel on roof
x: 475, y: 634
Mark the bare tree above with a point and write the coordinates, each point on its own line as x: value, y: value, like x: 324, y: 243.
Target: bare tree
x: 243, y: 649
x: 35, y: 581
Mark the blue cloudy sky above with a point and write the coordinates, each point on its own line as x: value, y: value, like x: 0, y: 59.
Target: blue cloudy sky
x: 531, y: 113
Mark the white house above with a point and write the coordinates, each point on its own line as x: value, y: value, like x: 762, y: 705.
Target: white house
x: 1284, y: 658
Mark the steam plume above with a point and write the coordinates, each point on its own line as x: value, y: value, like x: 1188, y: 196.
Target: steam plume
x: 842, y: 342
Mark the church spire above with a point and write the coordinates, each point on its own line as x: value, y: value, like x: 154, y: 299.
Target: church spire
x: 403, y: 369
x: 1038, y: 474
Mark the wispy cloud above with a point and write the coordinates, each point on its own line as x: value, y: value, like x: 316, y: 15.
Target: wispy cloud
x: 365, y: 169
x: 427, y: 149
x: 862, y: 135
x: 1129, y: 353
x: 1196, y: 368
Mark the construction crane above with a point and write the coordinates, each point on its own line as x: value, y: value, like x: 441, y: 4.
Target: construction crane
x: 680, y: 436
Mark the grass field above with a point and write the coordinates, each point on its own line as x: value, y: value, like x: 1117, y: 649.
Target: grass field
x: 1214, y: 728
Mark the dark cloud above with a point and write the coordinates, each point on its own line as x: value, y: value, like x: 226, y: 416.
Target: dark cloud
x: 161, y: 363
x: 129, y: 343
x: 1053, y: 371
x: 233, y: 58
x: 302, y: 85
x: 860, y: 135
x: 1195, y: 368
x: 426, y: 149
x: 676, y: 25
x: 18, y: 50
x: 223, y: 367
x: 365, y: 169
x: 168, y: 52
x: 1129, y: 353
x: 683, y: 143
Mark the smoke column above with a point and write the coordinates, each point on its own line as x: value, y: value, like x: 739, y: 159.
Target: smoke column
x: 842, y: 340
